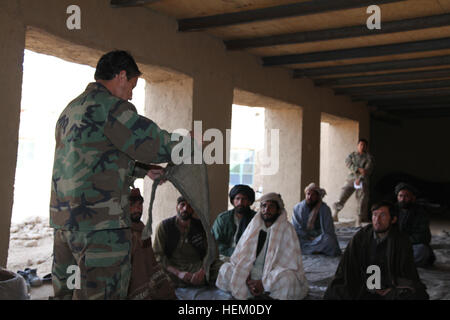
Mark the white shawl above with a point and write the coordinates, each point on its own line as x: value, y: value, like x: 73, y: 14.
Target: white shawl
x: 283, y: 274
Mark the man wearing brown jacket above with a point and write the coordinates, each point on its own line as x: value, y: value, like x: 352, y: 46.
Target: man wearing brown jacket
x: 148, y: 279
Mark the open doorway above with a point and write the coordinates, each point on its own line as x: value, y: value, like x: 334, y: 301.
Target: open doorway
x: 247, y: 144
x: 266, y: 140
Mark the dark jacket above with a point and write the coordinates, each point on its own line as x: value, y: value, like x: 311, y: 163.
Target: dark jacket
x: 349, y: 282
x: 148, y: 280
x: 415, y: 222
x: 224, y: 229
x: 196, y: 236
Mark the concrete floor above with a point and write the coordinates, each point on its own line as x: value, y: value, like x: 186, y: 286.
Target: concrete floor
x: 320, y: 269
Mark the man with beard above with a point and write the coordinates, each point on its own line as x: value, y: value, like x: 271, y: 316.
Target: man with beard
x: 414, y: 220
x: 148, y: 280
x: 230, y: 225
x: 267, y: 261
x: 380, y: 246
x: 180, y: 246
x: 360, y: 163
x: 314, y: 225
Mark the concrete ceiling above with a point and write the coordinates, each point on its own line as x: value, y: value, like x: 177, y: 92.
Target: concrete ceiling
x: 402, y: 68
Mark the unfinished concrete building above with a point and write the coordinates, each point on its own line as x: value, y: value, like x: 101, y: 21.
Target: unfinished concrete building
x: 322, y: 69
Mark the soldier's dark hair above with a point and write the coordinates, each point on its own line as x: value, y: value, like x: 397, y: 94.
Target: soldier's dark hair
x: 385, y: 203
x: 113, y: 63
x: 363, y: 140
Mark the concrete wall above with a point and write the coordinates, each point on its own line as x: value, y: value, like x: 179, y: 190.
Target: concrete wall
x: 339, y: 137
x: 12, y: 35
x: 154, y: 41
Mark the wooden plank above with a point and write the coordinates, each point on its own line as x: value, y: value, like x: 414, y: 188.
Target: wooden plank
x: 329, y: 20
x: 415, y: 107
x: 130, y: 3
x: 422, y: 113
x: 277, y: 12
x: 340, y: 33
x: 410, y: 102
x: 401, y: 76
x: 401, y: 96
x: 364, y: 52
x: 374, y: 67
x: 394, y: 87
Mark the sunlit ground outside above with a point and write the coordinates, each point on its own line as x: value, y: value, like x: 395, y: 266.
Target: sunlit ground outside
x: 49, y: 84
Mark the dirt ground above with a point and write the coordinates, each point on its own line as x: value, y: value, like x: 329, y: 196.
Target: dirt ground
x: 31, y: 246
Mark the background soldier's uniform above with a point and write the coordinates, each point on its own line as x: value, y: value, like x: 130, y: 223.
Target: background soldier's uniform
x: 354, y: 161
x: 98, y: 139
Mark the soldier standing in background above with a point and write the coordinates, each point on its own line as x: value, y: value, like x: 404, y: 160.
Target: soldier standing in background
x: 99, y: 138
x: 360, y: 164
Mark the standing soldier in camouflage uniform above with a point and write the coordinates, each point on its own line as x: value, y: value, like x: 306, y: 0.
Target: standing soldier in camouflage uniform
x: 99, y: 137
x: 360, y: 163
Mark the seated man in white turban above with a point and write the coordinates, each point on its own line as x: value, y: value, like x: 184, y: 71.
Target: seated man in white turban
x: 313, y: 223
x: 267, y: 261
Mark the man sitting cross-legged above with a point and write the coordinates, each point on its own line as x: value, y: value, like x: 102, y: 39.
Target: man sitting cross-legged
x: 413, y: 219
x: 230, y: 225
x: 314, y: 225
x: 180, y: 246
x: 378, y: 246
x: 267, y: 261
x: 148, y: 279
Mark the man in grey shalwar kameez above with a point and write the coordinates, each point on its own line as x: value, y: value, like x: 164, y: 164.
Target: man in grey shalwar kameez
x: 313, y: 223
x: 414, y: 220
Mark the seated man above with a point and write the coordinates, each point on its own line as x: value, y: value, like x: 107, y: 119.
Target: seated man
x: 230, y: 225
x: 180, y: 246
x: 314, y: 225
x: 380, y: 245
x: 148, y: 280
x: 414, y: 220
x: 267, y: 261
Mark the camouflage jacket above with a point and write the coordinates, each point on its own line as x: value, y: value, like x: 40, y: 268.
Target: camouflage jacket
x: 98, y: 139
x: 355, y: 160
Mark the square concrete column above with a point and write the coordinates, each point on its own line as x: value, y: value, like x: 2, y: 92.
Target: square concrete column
x: 287, y: 154
x: 176, y: 104
x: 12, y: 35
x: 339, y: 137
x: 310, y: 148
x: 212, y: 104
x: 169, y: 104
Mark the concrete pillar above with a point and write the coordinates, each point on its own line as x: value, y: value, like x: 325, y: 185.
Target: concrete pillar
x: 339, y: 137
x: 12, y: 35
x: 310, y: 163
x: 286, y: 180
x: 212, y: 104
x: 168, y: 104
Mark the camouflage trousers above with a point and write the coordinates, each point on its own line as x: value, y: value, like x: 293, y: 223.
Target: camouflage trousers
x: 91, y: 265
x: 362, y: 197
